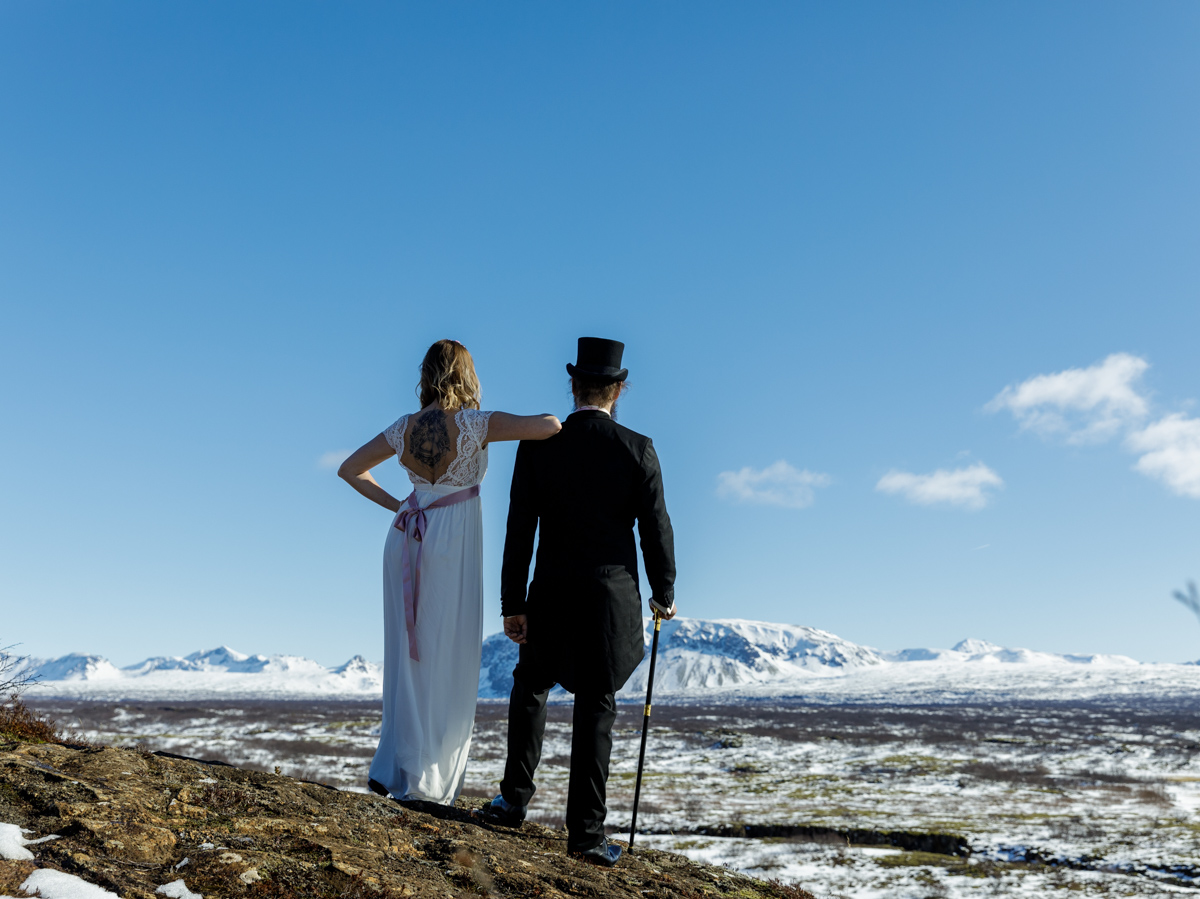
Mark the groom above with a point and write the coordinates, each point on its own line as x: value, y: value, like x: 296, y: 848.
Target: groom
x: 580, y: 625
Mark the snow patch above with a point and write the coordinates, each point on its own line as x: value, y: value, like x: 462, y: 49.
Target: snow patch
x: 51, y: 884
x: 177, y: 889
x: 12, y: 843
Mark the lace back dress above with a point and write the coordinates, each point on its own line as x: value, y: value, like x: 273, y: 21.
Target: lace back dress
x: 429, y: 706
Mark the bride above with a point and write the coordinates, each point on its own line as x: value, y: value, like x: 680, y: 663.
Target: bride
x: 432, y: 573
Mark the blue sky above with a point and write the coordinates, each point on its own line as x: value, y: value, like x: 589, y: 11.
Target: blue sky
x: 844, y: 237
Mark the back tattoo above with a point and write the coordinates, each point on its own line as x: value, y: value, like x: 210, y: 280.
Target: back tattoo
x: 430, y: 439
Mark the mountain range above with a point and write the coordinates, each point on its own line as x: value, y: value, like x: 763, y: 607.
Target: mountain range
x: 717, y: 660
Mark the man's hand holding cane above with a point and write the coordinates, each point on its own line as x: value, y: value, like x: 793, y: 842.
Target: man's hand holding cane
x: 516, y: 628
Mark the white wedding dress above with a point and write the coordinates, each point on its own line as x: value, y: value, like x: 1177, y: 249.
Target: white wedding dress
x: 429, y: 705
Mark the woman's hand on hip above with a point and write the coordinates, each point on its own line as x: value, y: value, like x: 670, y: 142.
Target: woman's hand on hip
x: 356, y: 471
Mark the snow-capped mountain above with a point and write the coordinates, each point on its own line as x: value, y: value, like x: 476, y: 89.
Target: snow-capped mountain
x: 220, y: 659
x: 989, y: 653
x: 698, y: 659
x: 707, y: 655
x: 696, y: 655
x: 73, y: 667
x: 220, y: 672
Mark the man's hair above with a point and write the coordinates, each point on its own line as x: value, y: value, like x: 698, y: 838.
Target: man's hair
x: 595, y: 391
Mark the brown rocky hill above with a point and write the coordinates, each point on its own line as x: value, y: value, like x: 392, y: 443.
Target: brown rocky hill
x: 132, y: 821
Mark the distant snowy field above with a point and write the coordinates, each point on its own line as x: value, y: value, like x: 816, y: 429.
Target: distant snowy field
x: 1054, y: 773
x: 1030, y: 798
x: 699, y: 661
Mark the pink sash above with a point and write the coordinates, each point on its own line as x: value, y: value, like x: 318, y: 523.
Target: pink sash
x: 415, y: 514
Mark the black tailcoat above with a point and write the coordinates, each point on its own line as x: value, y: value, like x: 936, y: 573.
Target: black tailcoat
x: 582, y: 491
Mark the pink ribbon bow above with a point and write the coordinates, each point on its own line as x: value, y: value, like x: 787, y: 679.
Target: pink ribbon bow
x: 415, y: 515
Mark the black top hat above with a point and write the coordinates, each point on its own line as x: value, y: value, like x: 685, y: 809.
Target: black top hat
x: 599, y: 358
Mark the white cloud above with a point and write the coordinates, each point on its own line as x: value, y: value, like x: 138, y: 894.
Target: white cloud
x: 776, y: 485
x: 960, y: 487
x: 1084, y: 404
x: 1170, y: 449
x: 333, y: 458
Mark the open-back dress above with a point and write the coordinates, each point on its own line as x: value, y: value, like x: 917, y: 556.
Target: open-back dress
x: 429, y: 705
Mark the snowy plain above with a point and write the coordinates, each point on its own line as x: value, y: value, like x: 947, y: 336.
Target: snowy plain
x: 779, y: 750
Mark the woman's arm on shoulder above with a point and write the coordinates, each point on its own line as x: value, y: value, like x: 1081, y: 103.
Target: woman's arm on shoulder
x: 356, y: 471
x: 503, y: 426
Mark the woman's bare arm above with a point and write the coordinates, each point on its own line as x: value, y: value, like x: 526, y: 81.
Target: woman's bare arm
x: 503, y: 426
x: 356, y: 471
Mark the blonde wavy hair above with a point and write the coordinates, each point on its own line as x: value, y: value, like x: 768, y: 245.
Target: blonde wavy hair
x: 448, y: 377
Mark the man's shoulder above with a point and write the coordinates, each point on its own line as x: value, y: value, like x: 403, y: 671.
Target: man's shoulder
x: 628, y: 440
x: 630, y: 436
x: 588, y: 429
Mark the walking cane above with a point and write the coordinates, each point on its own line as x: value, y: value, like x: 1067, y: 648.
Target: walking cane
x: 637, y: 790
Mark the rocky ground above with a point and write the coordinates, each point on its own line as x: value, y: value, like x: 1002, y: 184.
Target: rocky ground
x: 134, y: 822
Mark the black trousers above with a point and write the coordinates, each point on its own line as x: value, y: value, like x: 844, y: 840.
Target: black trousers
x: 591, y: 747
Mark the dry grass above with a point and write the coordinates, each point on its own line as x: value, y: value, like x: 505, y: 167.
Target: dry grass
x: 1155, y: 795
x: 292, y: 748
x: 1036, y: 723
x: 17, y: 722
x: 1038, y: 776
x: 789, y: 890
x: 20, y: 723
x: 13, y: 874
x: 296, y: 882
x: 226, y: 800
x: 477, y: 793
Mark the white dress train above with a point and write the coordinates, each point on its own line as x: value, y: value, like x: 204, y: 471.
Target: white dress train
x: 429, y: 705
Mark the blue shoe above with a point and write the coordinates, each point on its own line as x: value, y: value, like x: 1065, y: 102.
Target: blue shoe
x: 502, y: 811
x: 606, y: 854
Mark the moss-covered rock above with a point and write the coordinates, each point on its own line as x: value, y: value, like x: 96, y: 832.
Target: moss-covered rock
x: 131, y: 821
